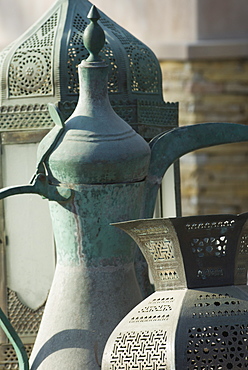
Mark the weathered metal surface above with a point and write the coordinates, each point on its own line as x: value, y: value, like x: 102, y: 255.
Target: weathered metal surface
x: 103, y: 161
x: 197, y: 318
x: 94, y: 284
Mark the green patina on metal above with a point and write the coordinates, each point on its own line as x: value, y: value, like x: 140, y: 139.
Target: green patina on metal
x: 89, y: 214
x: 94, y: 36
x: 103, y: 161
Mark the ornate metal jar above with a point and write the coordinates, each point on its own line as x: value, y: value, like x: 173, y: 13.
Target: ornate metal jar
x: 198, y: 316
x: 102, y: 161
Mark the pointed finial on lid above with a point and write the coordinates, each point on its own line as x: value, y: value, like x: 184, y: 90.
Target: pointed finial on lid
x: 94, y: 36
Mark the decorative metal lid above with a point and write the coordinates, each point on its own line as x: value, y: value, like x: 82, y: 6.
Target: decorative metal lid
x: 95, y: 146
x: 41, y: 67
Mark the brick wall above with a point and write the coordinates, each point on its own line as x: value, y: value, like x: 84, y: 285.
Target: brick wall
x: 213, y: 180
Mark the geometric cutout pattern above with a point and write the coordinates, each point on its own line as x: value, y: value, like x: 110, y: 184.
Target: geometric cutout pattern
x: 243, y: 247
x: 26, y: 323
x: 150, y: 230
x: 133, y: 72
x: 142, y: 64
x: 155, y: 310
x: 210, y: 225
x: 30, y: 71
x: 77, y: 53
x: 168, y: 275
x: 8, y: 357
x: 23, y: 117
x: 218, y: 305
x: 143, y: 350
x: 217, y: 347
x: 25, y: 320
x: 209, y: 246
x: 149, y: 318
x: 161, y: 250
x: 209, y: 273
x: 142, y: 67
x: 108, y: 55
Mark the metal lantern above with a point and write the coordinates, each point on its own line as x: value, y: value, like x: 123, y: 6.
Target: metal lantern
x: 41, y: 67
x: 198, y: 316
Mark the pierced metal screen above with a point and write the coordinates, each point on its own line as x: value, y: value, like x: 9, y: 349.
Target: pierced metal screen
x: 41, y: 67
x: 26, y: 323
x: 203, y: 325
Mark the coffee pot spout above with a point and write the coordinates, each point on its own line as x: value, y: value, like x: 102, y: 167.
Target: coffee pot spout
x: 166, y: 148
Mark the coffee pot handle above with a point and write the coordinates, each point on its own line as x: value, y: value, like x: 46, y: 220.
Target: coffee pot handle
x: 41, y: 186
x: 39, y: 183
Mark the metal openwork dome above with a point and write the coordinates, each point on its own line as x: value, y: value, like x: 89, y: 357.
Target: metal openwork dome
x: 41, y: 67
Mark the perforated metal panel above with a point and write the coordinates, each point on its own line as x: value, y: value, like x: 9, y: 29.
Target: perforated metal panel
x: 204, y: 327
x: 143, y: 339
x: 209, y: 245
x: 213, y: 330
x: 30, y: 69
x: 26, y: 323
x: 41, y: 67
x: 8, y: 358
x: 25, y: 320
